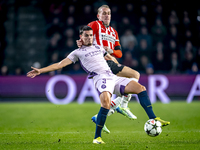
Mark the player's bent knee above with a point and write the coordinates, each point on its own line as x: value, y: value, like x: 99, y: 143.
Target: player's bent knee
x: 134, y: 88
x: 105, y: 100
x: 143, y: 88
x: 106, y: 105
x: 135, y: 74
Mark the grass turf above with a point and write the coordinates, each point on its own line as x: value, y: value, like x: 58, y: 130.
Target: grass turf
x: 45, y: 126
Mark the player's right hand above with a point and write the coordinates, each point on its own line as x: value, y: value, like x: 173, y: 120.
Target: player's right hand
x: 33, y: 72
x: 79, y: 43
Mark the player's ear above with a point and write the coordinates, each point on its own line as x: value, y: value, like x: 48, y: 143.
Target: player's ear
x: 98, y: 16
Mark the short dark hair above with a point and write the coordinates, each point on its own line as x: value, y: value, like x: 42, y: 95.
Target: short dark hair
x: 84, y: 28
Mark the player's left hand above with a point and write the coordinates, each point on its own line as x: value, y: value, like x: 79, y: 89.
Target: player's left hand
x: 110, y: 51
x: 106, y: 48
x: 79, y: 43
x: 33, y: 72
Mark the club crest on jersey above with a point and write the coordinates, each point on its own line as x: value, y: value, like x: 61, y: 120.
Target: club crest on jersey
x: 119, y: 65
x: 103, y: 86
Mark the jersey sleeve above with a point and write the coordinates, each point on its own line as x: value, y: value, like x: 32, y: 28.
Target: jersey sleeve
x: 94, y: 26
x: 117, y: 52
x: 73, y: 56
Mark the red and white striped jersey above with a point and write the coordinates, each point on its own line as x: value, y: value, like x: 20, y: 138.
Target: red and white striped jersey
x: 106, y: 36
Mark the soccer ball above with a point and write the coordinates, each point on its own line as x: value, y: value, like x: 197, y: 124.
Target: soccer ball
x: 152, y: 127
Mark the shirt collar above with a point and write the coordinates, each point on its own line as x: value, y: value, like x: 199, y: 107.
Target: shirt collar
x: 103, y: 24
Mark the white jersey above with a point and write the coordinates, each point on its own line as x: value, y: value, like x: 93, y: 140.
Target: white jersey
x: 91, y: 59
x: 93, y: 62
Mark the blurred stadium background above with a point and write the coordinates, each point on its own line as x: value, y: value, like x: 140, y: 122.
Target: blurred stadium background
x: 157, y: 37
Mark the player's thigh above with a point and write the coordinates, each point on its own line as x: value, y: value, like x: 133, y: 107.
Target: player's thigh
x: 134, y: 87
x: 129, y: 73
x: 115, y: 68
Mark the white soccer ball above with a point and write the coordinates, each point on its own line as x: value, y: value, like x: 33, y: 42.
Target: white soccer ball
x: 152, y: 127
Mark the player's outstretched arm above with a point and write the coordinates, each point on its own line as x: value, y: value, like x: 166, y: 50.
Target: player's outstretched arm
x: 115, y: 52
x: 33, y: 72
x: 53, y: 67
x: 109, y: 57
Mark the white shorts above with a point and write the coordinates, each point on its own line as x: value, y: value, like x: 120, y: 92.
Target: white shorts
x: 110, y: 83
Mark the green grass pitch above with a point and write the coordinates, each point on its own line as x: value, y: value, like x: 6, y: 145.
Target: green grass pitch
x: 46, y: 126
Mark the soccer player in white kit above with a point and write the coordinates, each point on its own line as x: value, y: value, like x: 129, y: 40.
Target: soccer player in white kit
x: 107, y: 37
x: 92, y: 60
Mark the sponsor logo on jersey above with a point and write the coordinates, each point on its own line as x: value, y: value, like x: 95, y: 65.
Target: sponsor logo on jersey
x: 108, y: 37
x: 93, y: 53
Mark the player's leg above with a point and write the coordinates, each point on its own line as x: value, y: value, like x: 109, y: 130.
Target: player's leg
x: 129, y: 73
x: 113, y: 106
x: 102, y: 84
x: 133, y: 75
x: 102, y: 115
x: 136, y: 88
x: 105, y: 88
x: 122, y: 70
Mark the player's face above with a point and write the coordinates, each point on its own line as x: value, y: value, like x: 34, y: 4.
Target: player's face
x: 104, y: 15
x: 87, y: 37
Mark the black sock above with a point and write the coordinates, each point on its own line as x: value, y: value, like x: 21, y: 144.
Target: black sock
x: 101, y: 119
x: 146, y: 104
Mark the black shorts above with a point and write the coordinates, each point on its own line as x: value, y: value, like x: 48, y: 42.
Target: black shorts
x: 115, y: 68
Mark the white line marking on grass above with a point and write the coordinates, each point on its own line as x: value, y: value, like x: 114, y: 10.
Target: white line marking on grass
x: 86, y: 132
x: 44, y: 132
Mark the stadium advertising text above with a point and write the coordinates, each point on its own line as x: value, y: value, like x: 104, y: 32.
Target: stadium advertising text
x: 63, y: 89
x: 157, y: 87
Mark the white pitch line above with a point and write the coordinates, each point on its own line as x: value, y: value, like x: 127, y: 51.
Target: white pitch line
x: 44, y: 132
x: 88, y: 132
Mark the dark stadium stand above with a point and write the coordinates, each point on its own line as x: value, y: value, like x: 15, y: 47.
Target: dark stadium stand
x: 33, y: 31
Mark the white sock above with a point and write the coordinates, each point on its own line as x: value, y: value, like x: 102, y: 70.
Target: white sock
x: 126, y: 99
x: 114, y: 104
x: 111, y: 111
